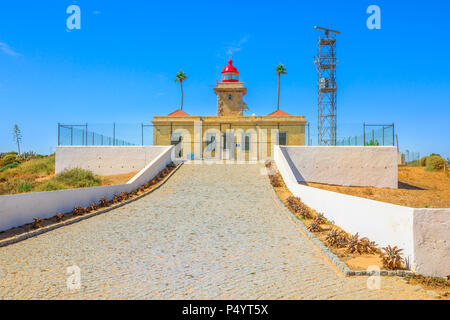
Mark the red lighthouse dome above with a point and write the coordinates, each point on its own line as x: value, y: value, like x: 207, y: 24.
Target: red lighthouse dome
x: 230, y: 73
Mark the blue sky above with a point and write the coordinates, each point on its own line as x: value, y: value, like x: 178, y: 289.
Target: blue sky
x: 121, y: 65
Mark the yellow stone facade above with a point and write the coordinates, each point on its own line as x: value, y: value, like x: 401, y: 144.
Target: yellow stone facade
x: 230, y: 135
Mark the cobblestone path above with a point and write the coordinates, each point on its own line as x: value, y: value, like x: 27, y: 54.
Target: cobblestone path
x: 212, y: 231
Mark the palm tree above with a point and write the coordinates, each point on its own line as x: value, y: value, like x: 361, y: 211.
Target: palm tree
x: 179, y: 78
x: 280, y: 70
x: 245, y: 107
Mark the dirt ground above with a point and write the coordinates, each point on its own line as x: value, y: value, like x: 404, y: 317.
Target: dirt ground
x: 117, y: 179
x: 417, y: 188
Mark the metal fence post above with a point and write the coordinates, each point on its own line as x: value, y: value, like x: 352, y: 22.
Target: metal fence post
x: 364, y: 133
x: 86, y: 134
x: 393, y: 130
x: 59, y: 134
x: 114, y: 134
x: 142, y: 133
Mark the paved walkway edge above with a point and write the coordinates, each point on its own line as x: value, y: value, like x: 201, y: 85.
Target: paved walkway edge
x: 34, y: 233
x: 334, y: 258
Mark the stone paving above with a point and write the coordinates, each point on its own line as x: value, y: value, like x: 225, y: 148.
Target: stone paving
x: 211, y: 232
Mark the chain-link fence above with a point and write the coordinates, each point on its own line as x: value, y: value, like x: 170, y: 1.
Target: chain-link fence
x: 120, y: 134
x: 83, y: 135
x: 369, y: 135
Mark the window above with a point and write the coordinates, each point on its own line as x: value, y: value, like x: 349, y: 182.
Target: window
x: 246, y: 144
x: 282, y: 138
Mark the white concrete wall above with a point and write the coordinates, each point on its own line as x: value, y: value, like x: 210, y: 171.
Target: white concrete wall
x: 344, y: 165
x: 19, y: 209
x: 105, y: 160
x: 423, y: 234
x: 432, y: 241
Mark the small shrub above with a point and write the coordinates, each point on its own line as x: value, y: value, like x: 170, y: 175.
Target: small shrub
x: 391, y: 258
x: 117, y: 198
x: 78, y: 211
x: 354, y: 245
x: 320, y: 218
x: 275, y: 181
x: 94, y: 206
x: 296, y: 205
x: 104, y: 202
x: 37, y: 223
x: 314, y: 227
x: 368, y: 246
x: 125, y: 195
x: 87, y: 209
x: 336, y: 238
x: 435, y: 163
x: 78, y: 178
x: 59, y: 217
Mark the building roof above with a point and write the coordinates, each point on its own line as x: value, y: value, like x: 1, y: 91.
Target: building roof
x: 229, y: 68
x: 178, y: 113
x: 279, y: 113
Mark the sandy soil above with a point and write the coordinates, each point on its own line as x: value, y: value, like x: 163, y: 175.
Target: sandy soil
x: 417, y: 188
x: 117, y: 179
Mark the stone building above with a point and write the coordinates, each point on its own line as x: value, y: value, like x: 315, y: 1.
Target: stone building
x: 230, y: 135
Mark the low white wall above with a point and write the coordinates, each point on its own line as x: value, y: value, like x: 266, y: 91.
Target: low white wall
x: 19, y: 209
x: 105, y: 160
x: 432, y: 241
x: 344, y: 165
x: 426, y: 244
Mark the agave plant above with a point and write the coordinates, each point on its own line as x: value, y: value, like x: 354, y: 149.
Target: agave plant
x: 94, y: 206
x: 104, y: 202
x: 275, y: 181
x: 320, y: 218
x: 78, y: 211
x: 59, y: 217
x: 37, y: 223
x: 299, y: 207
x: 314, y: 227
x: 391, y: 258
x: 354, y: 245
x: 336, y: 238
x: 117, y: 198
x: 369, y: 246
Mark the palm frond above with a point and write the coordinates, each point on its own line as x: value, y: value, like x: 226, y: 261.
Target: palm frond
x: 281, y: 69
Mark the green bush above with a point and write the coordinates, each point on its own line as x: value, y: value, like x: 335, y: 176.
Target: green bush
x: 8, y: 159
x: 423, y: 161
x: 45, y: 165
x: 24, y: 187
x: 78, y: 178
x: 435, y: 163
x: 50, y: 186
x: 9, y: 166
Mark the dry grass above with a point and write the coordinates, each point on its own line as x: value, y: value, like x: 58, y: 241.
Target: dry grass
x: 417, y: 188
x: 118, y: 178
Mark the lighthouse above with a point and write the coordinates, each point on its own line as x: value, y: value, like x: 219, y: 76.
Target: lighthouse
x: 230, y: 92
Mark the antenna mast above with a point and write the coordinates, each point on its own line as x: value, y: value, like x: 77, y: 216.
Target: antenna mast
x: 327, y: 88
